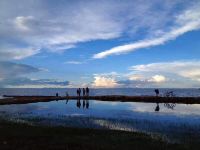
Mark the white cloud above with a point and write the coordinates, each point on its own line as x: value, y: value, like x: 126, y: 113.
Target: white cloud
x: 157, y: 78
x: 135, y: 77
x: 188, y: 21
x: 187, y: 69
x: 21, y: 22
x: 57, y: 26
x: 17, y: 53
x: 104, y: 82
x: 74, y: 62
x: 177, y: 74
x: 54, y: 26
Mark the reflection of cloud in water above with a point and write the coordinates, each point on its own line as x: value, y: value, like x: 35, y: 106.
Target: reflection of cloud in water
x: 180, y: 109
x: 16, y: 108
x: 106, y: 103
x: 75, y: 114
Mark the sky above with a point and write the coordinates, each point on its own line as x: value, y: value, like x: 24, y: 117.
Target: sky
x: 100, y: 43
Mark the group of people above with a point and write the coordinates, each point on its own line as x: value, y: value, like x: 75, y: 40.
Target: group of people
x: 85, y: 91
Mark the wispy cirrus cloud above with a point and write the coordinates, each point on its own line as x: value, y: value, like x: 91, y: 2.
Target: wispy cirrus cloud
x: 185, y: 22
x: 58, y: 26
x: 53, y: 26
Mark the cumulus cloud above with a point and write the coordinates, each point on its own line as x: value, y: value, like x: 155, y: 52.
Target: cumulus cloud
x: 177, y: 74
x: 185, y: 22
x: 123, y: 80
x: 106, y: 80
x: 158, y: 78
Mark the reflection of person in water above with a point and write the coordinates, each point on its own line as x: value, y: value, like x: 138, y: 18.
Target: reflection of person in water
x: 67, y: 97
x: 87, y: 103
x: 170, y: 105
x: 157, y: 107
x: 83, y: 104
x: 78, y: 103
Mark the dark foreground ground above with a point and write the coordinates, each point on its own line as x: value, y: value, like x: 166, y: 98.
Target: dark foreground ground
x: 18, y: 136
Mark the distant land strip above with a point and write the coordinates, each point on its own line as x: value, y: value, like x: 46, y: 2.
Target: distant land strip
x: 13, y: 99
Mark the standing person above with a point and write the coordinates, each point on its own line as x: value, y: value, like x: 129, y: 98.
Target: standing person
x: 79, y: 92
x: 83, y: 91
x: 87, y: 91
x: 157, y: 92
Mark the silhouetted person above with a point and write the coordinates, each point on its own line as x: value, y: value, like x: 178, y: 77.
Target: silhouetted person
x: 157, y: 92
x: 87, y: 91
x: 79, y: 92
x: 56, y: 94
x: 87, y: 104
x: 83, y: 91
x: 157, y: 107
x: 67, y: 95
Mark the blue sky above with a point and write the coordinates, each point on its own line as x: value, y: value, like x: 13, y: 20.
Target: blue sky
x: 105, y: 43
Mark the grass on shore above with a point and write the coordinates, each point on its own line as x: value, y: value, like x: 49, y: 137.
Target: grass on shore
x: 20, y: 136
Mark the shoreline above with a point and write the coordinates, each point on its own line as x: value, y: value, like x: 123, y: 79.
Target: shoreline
x: 14, y: 99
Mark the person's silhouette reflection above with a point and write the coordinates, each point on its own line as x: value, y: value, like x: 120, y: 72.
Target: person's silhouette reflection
x: 83, y: 104
x: 170, y: 105
x: 157, y: 107
x: 78, y: 103
x: 87, y: 104
x: 67, y: 97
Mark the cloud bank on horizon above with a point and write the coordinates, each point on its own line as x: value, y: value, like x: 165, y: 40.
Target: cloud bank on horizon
x: 84, y: 33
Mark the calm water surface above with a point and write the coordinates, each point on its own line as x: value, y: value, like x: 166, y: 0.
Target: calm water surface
x: 172, y: 120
